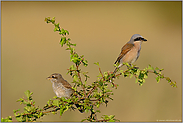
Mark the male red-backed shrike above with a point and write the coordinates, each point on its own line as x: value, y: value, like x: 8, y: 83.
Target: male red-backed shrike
x: 130, y: 51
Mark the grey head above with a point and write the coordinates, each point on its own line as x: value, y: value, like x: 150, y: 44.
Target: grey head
x: 137, y: 37
x: 55, y: 77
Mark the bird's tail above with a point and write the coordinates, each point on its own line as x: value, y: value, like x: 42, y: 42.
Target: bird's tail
x: 115, y: 70
x: 114, y: 74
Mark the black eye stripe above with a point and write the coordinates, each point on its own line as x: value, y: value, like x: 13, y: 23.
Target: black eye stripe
x: 138, y: 39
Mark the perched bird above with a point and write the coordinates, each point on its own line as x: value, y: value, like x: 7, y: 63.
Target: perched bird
x: 130, y: 51
x: 62, y: 88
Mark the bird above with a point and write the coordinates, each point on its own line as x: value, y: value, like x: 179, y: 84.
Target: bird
x: 62, y: 88
x: 130, y: 51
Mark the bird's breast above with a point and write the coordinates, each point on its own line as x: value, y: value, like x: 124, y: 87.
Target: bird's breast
x: 133, y: 54
x: 61, y: 91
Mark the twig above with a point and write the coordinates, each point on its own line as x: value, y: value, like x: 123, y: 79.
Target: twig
x: 98, y: 99
x: 91, y: 91
x: 101, y: 73
x: 80, y: 80
x: 71, y: 70
x: 102, y: 120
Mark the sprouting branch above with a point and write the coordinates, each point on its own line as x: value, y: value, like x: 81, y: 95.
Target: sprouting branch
x: 141, y: 75
x: 88, y: 97
x: 80, y: 80
x: 91, y: 91
x: 101, y: 74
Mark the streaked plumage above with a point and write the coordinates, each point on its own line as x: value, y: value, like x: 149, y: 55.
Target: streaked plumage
x: 62, y: 88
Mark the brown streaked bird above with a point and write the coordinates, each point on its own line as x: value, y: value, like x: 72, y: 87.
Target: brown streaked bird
x: 62, y: 88
x: 130, y: 51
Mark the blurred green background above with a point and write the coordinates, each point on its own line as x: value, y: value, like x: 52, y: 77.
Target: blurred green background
x: 31, y: 52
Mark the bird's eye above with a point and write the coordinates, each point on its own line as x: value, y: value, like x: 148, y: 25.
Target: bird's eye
x: 53, y: 76
x: 137, y: 39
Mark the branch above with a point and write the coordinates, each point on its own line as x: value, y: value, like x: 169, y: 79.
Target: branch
x: 81, y: 80
x: 91, y: 91
x: 101, y: 73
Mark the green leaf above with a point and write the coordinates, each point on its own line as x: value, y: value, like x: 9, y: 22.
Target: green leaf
x: 14, y: 111
x: 19, y: 119
x: 85, y: 63
x: 20, y: 100
x: 150, y: 68
x: 7, y: 119
x: 98, y: 105
x: 56, y: 103
x: 63, y: 109
x: 97, y: 63
x: 62, y: 41
x: 74, y: 59
x: 41, y: 114
x: 111, y: 120
x: 27, y: 93
x: 56, y: 28
x: 67, y: 32
x: 53, y: 112
x: 83, y: 120
x: 55, y: 97
x: 158, y: 79
x: 131, y: 75
x: 48, y: 102
x: 100, y: 83
x: 168, y: 79
x: 53, y: 20
x: 155, y: 72
x: 145, y: 76
x: 161, y: 69
x: 75, y: 78
x: 27, y: 108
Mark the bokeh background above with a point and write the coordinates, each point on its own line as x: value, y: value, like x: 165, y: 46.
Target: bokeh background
x: 31, y: 52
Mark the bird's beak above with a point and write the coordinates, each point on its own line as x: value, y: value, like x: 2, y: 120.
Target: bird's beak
x: 144, y: 39
x: 48, y: 78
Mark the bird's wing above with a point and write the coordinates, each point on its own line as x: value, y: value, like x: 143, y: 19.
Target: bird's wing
x: 66, y: 84
x: 126, y: 48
